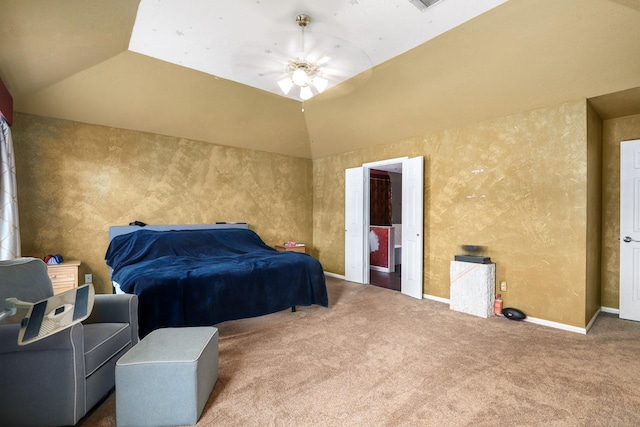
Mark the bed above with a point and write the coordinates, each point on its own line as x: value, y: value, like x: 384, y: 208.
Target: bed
x: 199, y: 275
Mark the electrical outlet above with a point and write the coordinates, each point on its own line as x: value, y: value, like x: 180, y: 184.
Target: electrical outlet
x: 503, y: 286
x: 88, y: 278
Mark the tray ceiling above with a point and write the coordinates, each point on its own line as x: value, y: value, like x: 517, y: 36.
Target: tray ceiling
x: 250, y: 41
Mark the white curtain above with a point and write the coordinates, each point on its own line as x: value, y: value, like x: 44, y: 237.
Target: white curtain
x: 9, y: 229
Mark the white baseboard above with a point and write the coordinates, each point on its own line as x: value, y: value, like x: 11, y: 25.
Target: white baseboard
x: 543, y: 322
x: 537, y: 321
x: 435, y: 298
x: 556, y: 325
x: 573, y: 328
x: 593, y: 320
x: 382, y: 269
x: 534, y: 320
x: 337, y: 276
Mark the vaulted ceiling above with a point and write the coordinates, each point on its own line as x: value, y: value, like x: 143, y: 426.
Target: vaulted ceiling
x: 72, y: 59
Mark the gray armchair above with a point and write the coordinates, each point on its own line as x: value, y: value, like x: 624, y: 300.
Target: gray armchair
x: 57, y: 380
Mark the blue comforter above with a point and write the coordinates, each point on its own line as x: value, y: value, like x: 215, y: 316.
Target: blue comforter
x: 203, y: 277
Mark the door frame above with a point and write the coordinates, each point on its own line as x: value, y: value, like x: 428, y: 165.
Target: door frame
x: 366, y: 211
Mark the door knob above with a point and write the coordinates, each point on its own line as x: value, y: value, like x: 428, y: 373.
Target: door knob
x: 629, y: 239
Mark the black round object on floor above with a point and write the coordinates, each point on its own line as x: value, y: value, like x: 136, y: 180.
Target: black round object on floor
x: 513, y: 314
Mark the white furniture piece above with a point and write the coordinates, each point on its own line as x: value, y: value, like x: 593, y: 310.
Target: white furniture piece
x: 167, y: 378
x: 472, y: 288
x: 397, y: 243
x: 382, y: 248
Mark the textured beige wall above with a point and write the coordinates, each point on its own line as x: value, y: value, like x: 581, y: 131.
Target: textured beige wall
x: 75, y: 180
x: 594, y: 214
x: 614, y: 131
x: 527, y: 206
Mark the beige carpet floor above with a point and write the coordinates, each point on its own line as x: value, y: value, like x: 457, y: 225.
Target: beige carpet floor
x: 378, y: 358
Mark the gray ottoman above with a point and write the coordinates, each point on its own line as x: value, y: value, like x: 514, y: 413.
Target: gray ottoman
x: 166, y: 379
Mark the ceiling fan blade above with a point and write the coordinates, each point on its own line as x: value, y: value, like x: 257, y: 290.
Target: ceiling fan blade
x: 336, y: 60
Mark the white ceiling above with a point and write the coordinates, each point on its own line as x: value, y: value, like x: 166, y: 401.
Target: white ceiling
x: 250, y: 41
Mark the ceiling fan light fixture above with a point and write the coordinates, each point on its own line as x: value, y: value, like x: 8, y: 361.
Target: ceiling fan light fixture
x: 320, y: 83
x: 285, y: 84
x: 300, y: 77
x: 305, y: 92
x: 302, y: 71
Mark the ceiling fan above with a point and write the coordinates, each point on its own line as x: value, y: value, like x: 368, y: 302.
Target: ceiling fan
x: 304, y: 70
x: 305, y: 66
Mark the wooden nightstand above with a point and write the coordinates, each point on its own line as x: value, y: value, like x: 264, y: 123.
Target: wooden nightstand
x: 285, y: 248
x: 64, y: 276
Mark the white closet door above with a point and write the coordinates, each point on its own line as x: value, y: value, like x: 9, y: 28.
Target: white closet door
x: 630, y: 230
x: 354, y: 262
x: 412, y: 226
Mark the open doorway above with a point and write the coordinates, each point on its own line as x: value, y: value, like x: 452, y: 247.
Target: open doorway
x: 357, y: 225
x: 385, y: 226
